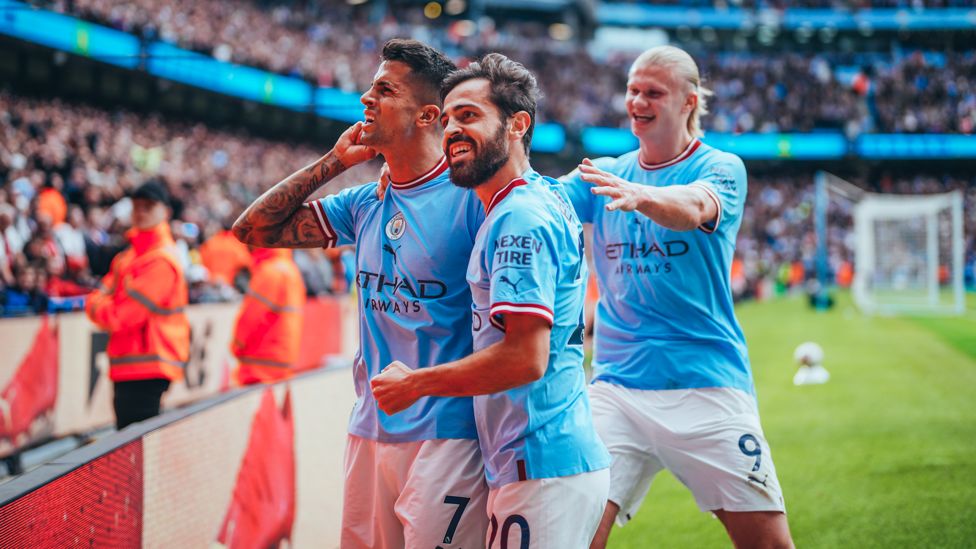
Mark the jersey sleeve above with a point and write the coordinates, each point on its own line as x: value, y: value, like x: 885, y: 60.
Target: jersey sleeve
x: 337, y: 215
x: 523, y: 266
x: 725, y: 182
x: 580, y: 196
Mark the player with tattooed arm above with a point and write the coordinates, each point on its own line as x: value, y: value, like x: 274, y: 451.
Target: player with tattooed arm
x: 415, y: 479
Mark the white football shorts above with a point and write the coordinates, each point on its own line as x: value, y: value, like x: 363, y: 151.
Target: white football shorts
x: 710, y: 439
x: 425, y: 494
x: 548, y: 513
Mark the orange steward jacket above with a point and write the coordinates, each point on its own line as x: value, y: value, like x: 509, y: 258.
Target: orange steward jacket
x: 140, y: 304
x: 223, y: 255
x: 268, y: 334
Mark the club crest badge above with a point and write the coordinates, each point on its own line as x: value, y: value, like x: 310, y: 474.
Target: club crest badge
x: 396, y: 226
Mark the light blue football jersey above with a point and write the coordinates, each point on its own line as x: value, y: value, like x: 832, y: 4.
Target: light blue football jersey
x: 412, y: 252
x: 528, y: 259
x: 665, y: 318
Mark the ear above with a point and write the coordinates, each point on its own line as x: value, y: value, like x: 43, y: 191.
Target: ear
x: 429, y: 115
x: 518, y: 125
x: 690, y: 103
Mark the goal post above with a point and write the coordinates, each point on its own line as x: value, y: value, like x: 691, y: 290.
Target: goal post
x: 909, y: 254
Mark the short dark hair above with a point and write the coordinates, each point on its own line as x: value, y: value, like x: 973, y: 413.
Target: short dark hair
x: 428, y: 67
x: 513, y: 88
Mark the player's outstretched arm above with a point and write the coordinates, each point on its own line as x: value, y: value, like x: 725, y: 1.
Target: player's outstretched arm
x: 280, y: 218
x: 521, y: 358
x: 677, y: 207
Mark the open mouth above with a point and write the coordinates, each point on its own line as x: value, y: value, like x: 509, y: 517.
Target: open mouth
x: 642, y: 119
x: 460, y: 150
x: 370, y: 118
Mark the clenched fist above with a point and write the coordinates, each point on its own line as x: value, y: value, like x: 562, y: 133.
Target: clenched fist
x: 393, y: 388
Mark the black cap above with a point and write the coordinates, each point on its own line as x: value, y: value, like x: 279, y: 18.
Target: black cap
x: 153, y: 190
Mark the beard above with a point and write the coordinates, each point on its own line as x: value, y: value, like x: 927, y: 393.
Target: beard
x: 487, y: 160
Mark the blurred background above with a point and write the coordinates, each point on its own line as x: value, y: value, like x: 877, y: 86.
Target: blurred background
x: 220, y: 99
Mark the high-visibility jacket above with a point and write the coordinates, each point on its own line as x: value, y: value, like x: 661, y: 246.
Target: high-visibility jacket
x: 140, y: 304
x: 52, y: 202
x: 223, y: 255
x: 268, y: 334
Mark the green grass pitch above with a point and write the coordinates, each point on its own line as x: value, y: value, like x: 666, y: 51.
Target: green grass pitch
x: 884, y: 455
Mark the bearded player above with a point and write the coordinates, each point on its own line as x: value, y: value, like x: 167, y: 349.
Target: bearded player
x: 546, y: 467
x: 673, y: 387
x: 415, y: 479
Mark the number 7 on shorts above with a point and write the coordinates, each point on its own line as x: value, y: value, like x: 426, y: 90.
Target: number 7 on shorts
x: 456, y: 519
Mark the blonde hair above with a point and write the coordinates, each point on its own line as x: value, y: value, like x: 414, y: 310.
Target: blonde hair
x: 670, y: 56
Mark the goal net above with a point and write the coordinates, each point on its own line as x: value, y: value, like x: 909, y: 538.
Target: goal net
x: 909, y: 254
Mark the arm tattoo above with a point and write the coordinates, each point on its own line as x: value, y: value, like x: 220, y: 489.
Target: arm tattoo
x: 280, y: 218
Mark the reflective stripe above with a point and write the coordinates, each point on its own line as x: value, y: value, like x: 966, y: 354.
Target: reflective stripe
x: 126, y: 360
x: 148, y: 303
x: 271, y: 304
x: 263, y: 362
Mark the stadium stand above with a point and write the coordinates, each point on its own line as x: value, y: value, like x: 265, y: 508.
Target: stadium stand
x: 906, y: 91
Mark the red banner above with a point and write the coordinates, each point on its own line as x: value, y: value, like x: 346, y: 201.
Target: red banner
x: 262, y: 510
x: 27, y: 401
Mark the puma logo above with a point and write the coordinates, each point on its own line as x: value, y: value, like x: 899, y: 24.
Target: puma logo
x: 757, y: 481
x: 388, y: 248
x: 514, y: 285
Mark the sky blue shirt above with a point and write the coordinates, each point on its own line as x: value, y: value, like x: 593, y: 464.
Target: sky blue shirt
x: 412, y: 251
x: 528, y: 259
x: 665, y: 318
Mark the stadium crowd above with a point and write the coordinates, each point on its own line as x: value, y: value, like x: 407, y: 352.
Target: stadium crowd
x: 65, y: 171
x: 331, y: 43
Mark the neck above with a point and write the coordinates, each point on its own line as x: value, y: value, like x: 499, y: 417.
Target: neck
x: 512, y: 169
x: 145, y: 239
x: 413, y: 157
x: 663, y: 147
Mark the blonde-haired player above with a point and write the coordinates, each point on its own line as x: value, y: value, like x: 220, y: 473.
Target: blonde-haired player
x: 672, y: 386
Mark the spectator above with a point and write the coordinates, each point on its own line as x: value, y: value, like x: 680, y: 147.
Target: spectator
x: 51, y: 202
x: 44, y: 246
x: 8, y: 258
x: 316, y: 269
x: 70, y: 237
x: 24, y: 297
